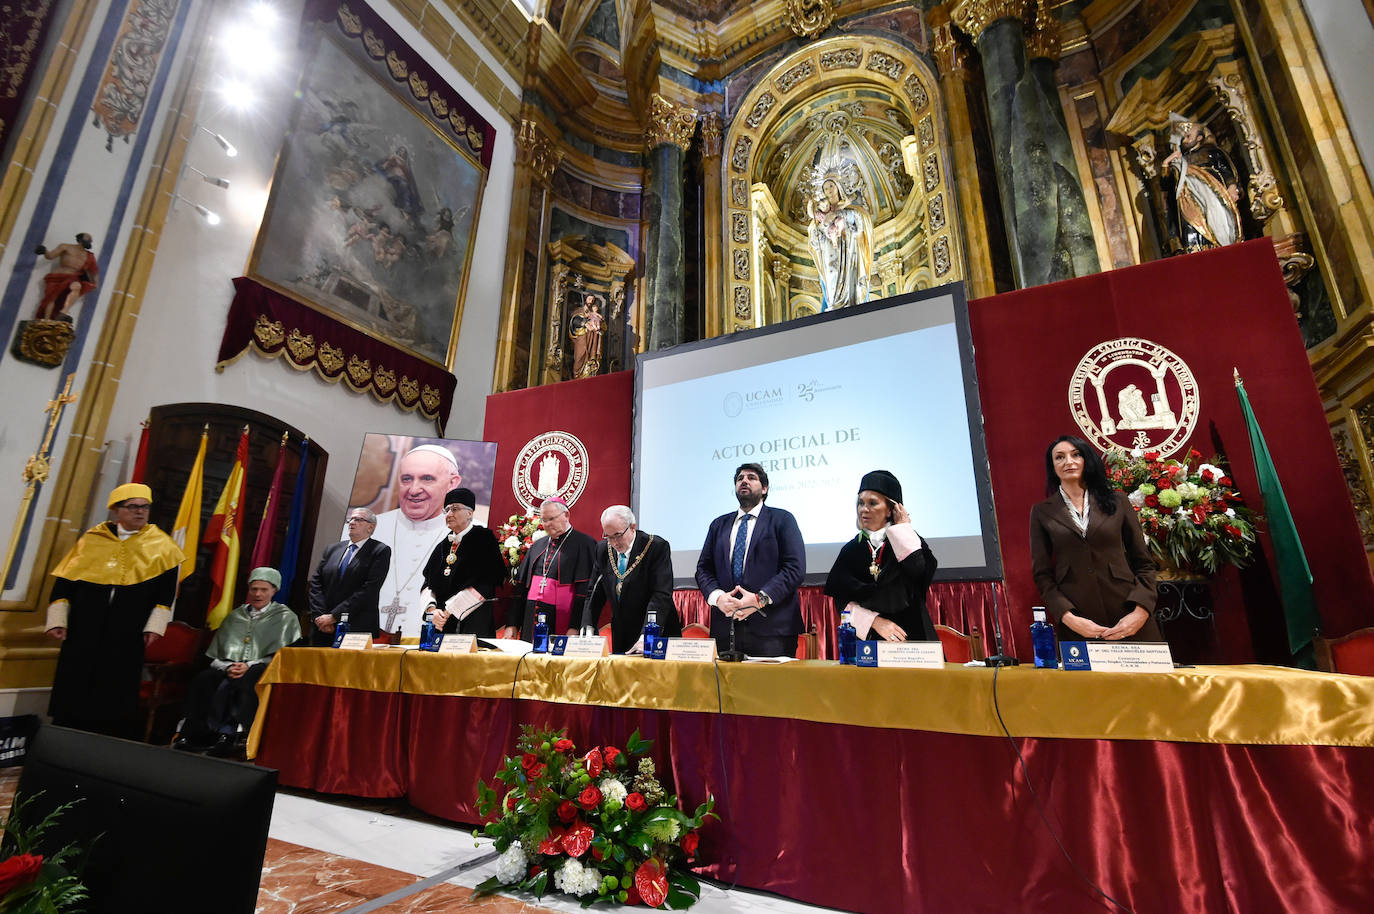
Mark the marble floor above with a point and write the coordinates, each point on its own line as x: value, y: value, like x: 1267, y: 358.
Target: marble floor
x: 329, y: 855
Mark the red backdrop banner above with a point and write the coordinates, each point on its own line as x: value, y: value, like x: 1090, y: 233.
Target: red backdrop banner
x: 1216, y: 311
x: 596, y: 412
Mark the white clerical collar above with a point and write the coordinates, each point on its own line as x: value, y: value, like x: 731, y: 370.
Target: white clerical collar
x: 122, y: 533
x: 754, y: 511
x: 458, y: 537
x: 421, y: 525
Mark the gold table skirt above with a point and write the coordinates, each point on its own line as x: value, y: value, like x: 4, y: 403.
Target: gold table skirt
x: 1256, y: 705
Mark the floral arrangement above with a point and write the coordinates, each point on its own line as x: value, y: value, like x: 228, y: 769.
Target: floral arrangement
x: 597, y: 825
x: 1193, y: 518
x: 516, y: 536
x: 29, y: 882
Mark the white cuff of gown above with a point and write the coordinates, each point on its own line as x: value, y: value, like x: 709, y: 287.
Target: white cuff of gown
x: 57, y: 614
x: 157, y: 620
x: 713, y: 597
x: 904, y: 540
x: 461, y: 604
x: 426, y: 599
x: 861, y: 619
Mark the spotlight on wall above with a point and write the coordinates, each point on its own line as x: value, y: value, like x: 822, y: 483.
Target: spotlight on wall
x: 208, y: 179
x: 224, y: 144
x: 263, y: 13
x: 237, y: 94
x: 209, y: 215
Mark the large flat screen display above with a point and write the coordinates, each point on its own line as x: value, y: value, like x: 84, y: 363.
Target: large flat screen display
x: 818, y: 402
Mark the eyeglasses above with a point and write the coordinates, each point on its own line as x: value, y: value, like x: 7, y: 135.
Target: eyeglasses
x: 614, y: 536
x: 453, y: 508
x: 359, y: 520
x: 128, y: 507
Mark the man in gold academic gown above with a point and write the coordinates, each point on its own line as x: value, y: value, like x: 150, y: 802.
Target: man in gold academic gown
x: 222, y: 701
x: 112, y: 597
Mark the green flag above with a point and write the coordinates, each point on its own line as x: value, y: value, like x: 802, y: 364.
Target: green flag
x: 1295, y: 578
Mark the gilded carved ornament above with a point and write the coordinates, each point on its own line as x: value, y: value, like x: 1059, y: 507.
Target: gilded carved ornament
x: 711, y: 134
x: 537, y: 151
x: 808, y: 18
x: 1043, y: 41
x: 1265, y: 199
x: 950, y: 55
x: 670, y: 123
x: 973, y: 16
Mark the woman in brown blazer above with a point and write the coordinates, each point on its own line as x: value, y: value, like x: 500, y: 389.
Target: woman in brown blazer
x: 1088, y: 554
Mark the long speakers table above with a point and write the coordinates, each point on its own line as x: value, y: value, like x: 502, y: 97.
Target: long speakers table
x: 883, y: 790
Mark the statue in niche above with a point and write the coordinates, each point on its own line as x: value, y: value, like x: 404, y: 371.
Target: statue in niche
x: 585, y: 328
x: 840, y: 232
x: 1205, y: 188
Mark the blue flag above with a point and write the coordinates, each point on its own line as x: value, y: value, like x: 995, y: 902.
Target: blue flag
x: 292, y: 545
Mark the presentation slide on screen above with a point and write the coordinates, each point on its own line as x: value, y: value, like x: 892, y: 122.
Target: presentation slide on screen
x: 818, y: 404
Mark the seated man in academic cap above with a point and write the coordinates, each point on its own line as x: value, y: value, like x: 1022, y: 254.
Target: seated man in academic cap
x: 222, y: 701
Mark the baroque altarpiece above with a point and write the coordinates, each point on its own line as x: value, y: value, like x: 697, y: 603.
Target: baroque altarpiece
x: 688, y: 169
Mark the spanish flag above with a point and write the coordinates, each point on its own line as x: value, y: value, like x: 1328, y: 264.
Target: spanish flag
x: 225, y: 530
x: 186, y: 530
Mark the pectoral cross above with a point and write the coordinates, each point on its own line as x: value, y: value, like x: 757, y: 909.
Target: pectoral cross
x: 391, y: 611
x: 543, y: 582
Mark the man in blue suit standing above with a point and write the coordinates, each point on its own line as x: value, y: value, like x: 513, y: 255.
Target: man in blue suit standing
x: 751, y: 565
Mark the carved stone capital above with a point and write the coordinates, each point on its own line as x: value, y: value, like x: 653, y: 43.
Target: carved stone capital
x: 781, y: 267
x: 537, y: 151
x: 808, y: 18
x: 973, y: 16
x: 711, y: 132
x: 670, y: 123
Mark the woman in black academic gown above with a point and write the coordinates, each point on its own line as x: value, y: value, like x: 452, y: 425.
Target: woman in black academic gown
x: 464, y: 569
x: 882, y: 575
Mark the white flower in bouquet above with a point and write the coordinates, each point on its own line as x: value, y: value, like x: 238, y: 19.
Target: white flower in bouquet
x: 1190, y: 492
x: 510, y: 866
x: 537, y: 535
x: 575, y: 879
x: 1137, y: 499
x: 512, y: 542
x: 1217, y: 472
x: 612, y: 790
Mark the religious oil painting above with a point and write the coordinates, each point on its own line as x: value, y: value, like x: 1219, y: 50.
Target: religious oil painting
x: 373, y: 210
x: 392, y: 478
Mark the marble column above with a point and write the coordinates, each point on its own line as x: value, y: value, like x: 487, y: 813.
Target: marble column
x: 713, y: 221
x: 670, y: 133
x: 1048, y: 229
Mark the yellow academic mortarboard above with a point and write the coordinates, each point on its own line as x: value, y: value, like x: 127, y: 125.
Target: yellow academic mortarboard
x: 127, y: 491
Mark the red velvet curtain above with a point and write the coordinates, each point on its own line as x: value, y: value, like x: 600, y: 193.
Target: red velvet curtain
x: 878, y: 820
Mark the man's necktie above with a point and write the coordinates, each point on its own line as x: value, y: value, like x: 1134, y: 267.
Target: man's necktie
x: 737, y: 556
x: 622, y: 562
x: 348, y: 557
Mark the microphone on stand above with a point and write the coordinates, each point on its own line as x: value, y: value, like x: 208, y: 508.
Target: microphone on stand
x: 999, y: 658
x: 589, y: 628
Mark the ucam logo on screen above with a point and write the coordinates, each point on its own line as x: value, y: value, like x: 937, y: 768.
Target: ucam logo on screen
x: 736, y: 401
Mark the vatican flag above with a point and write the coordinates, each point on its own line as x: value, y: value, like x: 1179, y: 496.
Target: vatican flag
x: 186, y: 530
x: 225, y: 531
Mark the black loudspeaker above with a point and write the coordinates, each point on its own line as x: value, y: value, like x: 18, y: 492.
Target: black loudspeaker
x: 168, y: 832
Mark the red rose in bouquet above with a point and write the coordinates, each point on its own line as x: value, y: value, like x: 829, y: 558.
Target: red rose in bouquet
x: 563, y: 745
x: 611, y: 753
x: 651, y: 879
x: 689, y: 843
x: 528, y: 760
x: 537, y: 770
x: 635, y: 802
x: 589, y: 797
x: 577, y: 839
x: 593, y: 763
x: 511, y: 800
x: 19, y: 870
x: 567, y: 812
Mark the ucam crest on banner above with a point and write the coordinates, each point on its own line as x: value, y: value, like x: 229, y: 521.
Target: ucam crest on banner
x: 570, y: 440
x: 1144, y: 357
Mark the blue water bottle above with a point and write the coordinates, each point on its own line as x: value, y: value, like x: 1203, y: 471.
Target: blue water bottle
x: 1042, y: 638
x: 651, y: 633
x: 427, y: 632
x: 848, y: 638
x: 340, y: 629
x: 541, y: 633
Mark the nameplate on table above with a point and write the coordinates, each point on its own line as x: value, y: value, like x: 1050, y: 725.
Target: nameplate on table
x: 693, y: 650
x: 457, y: 644
x: 1117, y: 656
x: 580, y: 646
x: 919, y: 655
x: 356, y: 641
